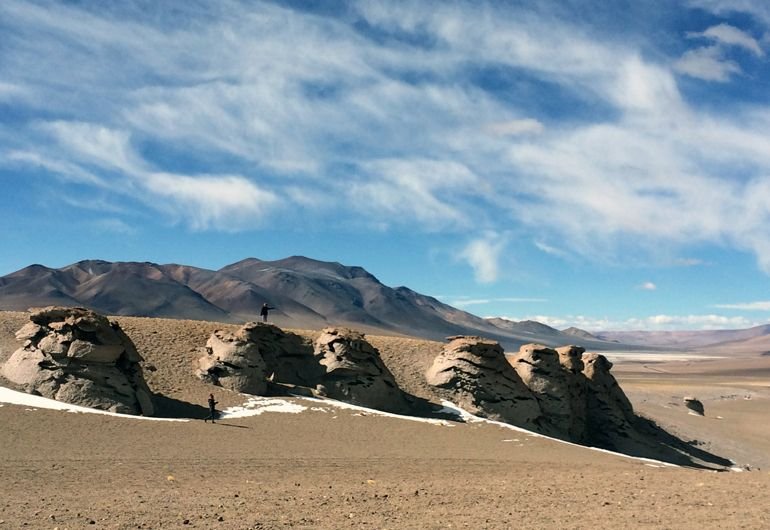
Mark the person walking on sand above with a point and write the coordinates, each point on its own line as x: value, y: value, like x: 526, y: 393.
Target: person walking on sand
x: 265, y: 309
x: 212, y: 410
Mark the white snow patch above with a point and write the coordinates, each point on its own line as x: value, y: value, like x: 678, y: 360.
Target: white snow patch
x: 256, y: 405
x: 13, y: 397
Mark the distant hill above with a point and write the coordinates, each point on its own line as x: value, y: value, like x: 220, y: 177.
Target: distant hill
x: 581, y: 333
x: 306, y: 293
x: 684, y: 339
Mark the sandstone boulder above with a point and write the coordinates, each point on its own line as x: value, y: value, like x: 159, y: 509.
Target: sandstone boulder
x: 288, y: 357
x: 556, y: 388
x: 233, y: 363
x: 355, y: 373
x: 473, y: 373
x: 80, y: 357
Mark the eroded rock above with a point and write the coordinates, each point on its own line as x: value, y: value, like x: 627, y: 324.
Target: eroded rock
x: 355, y: 373
x: 78, y: 356
x: 473, y: 373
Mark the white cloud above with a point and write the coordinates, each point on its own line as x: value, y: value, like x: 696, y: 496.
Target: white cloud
x: 397, y: 130
x: 225, y: 202
x: 649, y: 323
x: 483, y: 255
x: 730, y: 35
x: 707, y: 64
x: 401, y: 190
x: 464, y: 302
x: 648, y: 286
x: 748, y: 306
x: 515, y: 127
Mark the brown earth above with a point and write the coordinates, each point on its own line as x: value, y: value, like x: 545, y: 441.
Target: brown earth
x: 348, y: 469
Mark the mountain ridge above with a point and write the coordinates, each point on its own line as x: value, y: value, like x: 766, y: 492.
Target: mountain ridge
x: 306, y: 293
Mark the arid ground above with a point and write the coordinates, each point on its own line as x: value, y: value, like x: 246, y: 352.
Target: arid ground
x: 341, y: 468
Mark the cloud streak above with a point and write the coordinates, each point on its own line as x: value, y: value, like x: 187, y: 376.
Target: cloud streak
x: 405, y: 119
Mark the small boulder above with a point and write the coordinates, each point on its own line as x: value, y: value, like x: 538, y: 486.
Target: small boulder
x: 694, y: 405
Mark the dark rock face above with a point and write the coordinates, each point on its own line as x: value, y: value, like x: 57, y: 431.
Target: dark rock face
x: 78, y: 356
x: 355, y: 373
x: 694, y: 405
x: 473, y: 373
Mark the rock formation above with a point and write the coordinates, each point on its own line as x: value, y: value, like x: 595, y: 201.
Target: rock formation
x: 341, y: 365
x: 78, y: 356
x: 288, y: 357
x: 609, y: 415
x: 233, y: 363
x: 473, y: 373
x: 565, y: 393
x: 694, y: 405
x: 355, y: 373
x: 556, y: 387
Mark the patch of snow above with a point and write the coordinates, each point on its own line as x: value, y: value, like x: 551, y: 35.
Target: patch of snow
x: 256, y: 405
x: 12, y: 397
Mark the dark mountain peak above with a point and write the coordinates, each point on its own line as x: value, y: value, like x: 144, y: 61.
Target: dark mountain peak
x: 31, y: 270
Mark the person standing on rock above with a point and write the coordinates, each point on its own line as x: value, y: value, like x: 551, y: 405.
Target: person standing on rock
x: 265, y: 309
x: 212, y: 410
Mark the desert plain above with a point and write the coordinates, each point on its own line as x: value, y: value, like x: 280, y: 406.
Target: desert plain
x: 335, y: 467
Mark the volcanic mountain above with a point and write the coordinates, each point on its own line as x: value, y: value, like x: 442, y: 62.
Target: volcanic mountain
x: 306, y: 293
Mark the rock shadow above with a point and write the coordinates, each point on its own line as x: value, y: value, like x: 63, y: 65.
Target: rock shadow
x: 166, y: 407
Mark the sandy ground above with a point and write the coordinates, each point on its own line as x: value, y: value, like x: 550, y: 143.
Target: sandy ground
x: 347, y: 469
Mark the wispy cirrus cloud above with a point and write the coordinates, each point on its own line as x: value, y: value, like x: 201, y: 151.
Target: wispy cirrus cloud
x: 402, y: 118
x: 465, y: 302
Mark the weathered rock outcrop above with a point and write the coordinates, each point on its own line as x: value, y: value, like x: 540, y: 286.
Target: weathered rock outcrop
x: 288, y: 357
x: 564, y: 392
x: 554, y: 387
x: 243, y: 360
x: 355, y: 373
x: 233, y: 363
x: 341, y: 365
x: 78, y: 356
x: 473, y: 373
x: 609, y: 414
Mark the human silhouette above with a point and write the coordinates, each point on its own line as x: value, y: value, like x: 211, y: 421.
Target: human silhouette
x: 212, y: 410
x: 265, y: 309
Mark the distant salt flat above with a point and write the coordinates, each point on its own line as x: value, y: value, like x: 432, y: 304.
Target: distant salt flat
x: 655, y: 357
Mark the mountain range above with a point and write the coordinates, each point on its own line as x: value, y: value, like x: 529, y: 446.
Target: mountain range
x: 312, y: 294
x: 305, y: 293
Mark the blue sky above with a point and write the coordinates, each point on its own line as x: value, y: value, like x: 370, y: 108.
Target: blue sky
x: 591, y: 163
